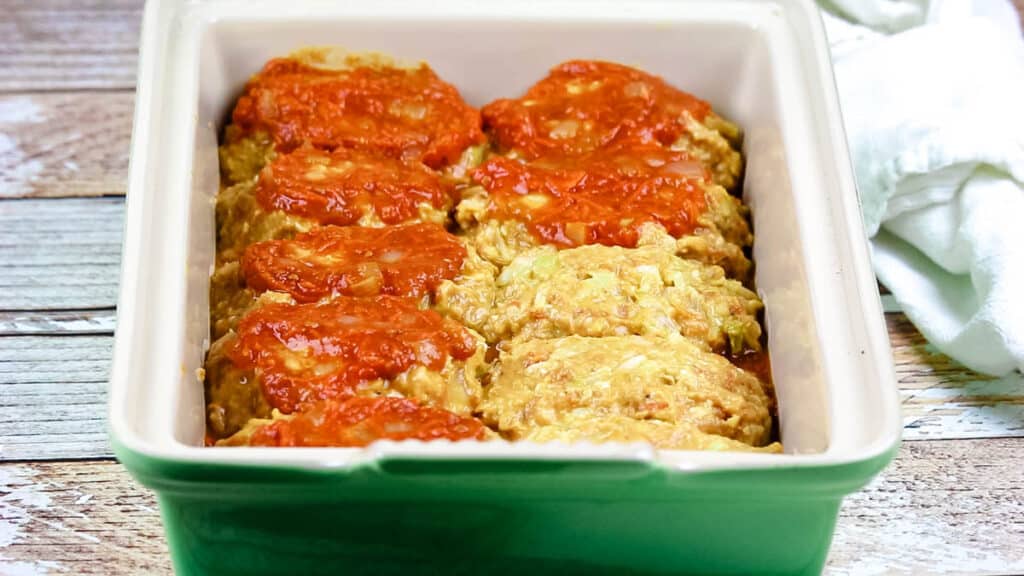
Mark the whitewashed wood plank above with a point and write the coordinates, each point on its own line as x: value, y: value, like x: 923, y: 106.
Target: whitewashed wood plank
x: 69, y: 44
x: 34, y: 393
x: 950, y: 507
x: 64, y: 144
x: 60, y: 254
x: 942, y: 399
x: 81, y: 421
x: 61, y: 322
x: 53, y: 396
x: 37, y: 358
x: 85, y: 518
x: 977, y: 409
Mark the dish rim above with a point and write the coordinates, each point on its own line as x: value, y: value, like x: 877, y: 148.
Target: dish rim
x: 182, y: 22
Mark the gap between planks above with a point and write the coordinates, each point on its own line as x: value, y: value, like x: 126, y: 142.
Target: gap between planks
x: 58, y: 322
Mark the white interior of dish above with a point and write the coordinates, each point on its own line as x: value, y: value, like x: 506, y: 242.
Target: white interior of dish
x: 762, y: 64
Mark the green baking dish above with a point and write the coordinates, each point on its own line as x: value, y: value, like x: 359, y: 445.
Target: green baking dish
x: 498, y: 507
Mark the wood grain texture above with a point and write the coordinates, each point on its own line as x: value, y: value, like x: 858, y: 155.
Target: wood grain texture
x: 53, y: 397
x: 60, y: 254
x: 65, y: 144
x: 942, y: 507
x: 942, y: 399
x: 69, y: 44
x: 78, y: 518
x: 951, y: 507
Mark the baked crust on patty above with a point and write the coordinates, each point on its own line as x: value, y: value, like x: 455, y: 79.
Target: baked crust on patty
x: 613, y: 291
x: 553, y: 383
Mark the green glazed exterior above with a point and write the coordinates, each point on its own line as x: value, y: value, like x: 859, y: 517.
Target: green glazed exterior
x: 497, y: 517
x: 483, y: 516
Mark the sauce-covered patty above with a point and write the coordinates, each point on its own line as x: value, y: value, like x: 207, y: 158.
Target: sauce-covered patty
x: 307, y: 188
x: 361, y: 421
x: 407, y: 260
x: 602, y: 198
x: 343, y: 186
x: 421, y: 261
x: 406, y: 113
x: 615, y: 197
x: 308, y: 352
x: 585, y: 105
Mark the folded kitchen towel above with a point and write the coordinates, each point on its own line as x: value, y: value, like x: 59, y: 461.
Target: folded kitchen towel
x: 935, y: 120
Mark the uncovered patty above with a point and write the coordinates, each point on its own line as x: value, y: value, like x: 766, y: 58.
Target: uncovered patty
x: 615, y: 428
x: 613, y: 291
x: 619, y: 384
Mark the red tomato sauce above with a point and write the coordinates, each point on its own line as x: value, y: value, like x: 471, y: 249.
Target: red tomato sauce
x: 308, y: 352
x: 402, y: 113
x: 409, y: 260
x: 341, y: 187
x: 582, y: 106
x: 602, y: 198
x: 360, y: 421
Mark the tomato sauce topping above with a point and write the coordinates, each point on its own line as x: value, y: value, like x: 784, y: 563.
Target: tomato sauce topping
x: 360, y: 421
x: 585, y: 105
x: 341, y: 187
x: 602, y: 198
x: 402, y: 113
x: 409, y: 260
x: 308, y: 352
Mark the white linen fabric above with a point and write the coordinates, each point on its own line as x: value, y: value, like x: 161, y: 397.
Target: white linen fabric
x: 934, y: 115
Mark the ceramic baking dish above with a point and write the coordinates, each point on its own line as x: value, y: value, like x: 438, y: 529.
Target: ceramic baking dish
x: 501, y: 507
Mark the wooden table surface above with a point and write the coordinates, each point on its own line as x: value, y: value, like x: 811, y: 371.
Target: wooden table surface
x: 952, y: 502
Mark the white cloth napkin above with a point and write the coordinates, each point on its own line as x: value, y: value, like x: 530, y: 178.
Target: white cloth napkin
x: 935, y: 120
